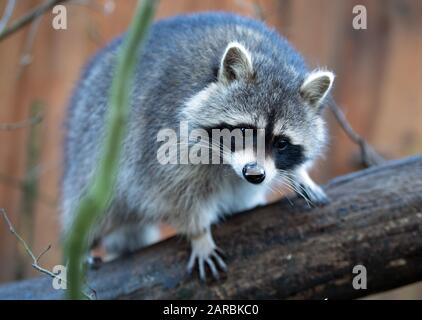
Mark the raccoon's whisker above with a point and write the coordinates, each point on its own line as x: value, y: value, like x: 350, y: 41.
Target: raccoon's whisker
x: 285, y: 175
x: 209, y: 146
x: 282, y: 194
x: 220, y: 149
x: 272, y: 190
x: 292, y: 179
x: 304, y: 196
x: 283, y: 182
x: 275, y: 189
x: 220, y: 145
x: 212, y: 144
x: 290, y: 183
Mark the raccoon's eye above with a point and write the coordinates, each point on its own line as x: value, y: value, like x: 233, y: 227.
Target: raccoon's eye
x: 281, y: 144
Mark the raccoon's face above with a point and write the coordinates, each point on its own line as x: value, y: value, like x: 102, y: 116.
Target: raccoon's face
x: 273, y: 105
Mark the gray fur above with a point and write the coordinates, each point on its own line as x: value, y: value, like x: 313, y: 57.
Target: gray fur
x: 182, y: 57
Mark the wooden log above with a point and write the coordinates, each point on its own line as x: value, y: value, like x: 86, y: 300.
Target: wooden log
x: 285, y: 250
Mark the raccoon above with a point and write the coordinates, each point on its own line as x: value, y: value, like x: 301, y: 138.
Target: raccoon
x: 212, y: 70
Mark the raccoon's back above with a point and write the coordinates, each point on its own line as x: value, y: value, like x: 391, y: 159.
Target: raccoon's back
x: 184, y: 52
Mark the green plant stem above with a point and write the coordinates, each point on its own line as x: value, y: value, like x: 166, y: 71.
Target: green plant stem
x: 95, y: 202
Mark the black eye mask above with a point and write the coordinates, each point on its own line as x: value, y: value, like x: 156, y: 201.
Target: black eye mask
x: 286, y: 155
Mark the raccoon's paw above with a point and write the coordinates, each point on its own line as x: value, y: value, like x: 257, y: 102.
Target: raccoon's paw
x: 315, y: 194
x: 205, y: 252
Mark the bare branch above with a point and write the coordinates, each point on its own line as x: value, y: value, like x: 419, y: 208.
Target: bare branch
x: 107, y: 8
x: 43, y: 252
x: 26, y: 56
x: 369, y: 157
x: 10, y: 6
x: 20, y: 184
x: 35, y: 260
x: 32, y: 15
x: 22, y: 124
x: 256, y: 8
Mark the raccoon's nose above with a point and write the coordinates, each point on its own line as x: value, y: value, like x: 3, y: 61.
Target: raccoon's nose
x: 253, y: 173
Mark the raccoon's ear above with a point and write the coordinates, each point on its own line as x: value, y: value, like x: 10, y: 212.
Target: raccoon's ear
x: 235, y: 64
x: 316, y: 86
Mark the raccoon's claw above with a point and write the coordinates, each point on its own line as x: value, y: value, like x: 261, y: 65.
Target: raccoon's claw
x: 316, y: 195
x: 206, y: 254
x: 214, y: 262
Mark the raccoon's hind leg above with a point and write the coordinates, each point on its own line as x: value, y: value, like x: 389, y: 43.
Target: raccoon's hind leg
x: 129, y: 238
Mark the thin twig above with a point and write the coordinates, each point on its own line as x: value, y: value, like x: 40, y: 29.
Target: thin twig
x: 369, y: 157
x: 43, y: 252
x: 35, y: 260
x: 259, y: 12
x: 107, y: 8
x: 21, y: 184
x: 255, y: 7
x: 22, y: 124
x: 32, y: 15
x: 10, y: 6
x: 26, y: 56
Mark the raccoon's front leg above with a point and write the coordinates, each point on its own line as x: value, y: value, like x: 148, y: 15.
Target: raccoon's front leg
x: 205, y: 253
x: 306, y: 187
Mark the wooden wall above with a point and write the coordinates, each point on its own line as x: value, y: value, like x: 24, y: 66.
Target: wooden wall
x: 379, y: 77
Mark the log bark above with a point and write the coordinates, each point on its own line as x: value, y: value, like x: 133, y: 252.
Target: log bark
x: 285, y: 250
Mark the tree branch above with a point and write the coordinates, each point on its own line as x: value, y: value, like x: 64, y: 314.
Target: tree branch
x: 8, y: 11
x: 36, y: 259
x: 32, y: 15
x: 22, y: 124
x: 283, y: 251
x: 369, y: 157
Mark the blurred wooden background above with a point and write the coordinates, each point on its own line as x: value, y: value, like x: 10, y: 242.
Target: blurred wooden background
x: 379, y: 77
